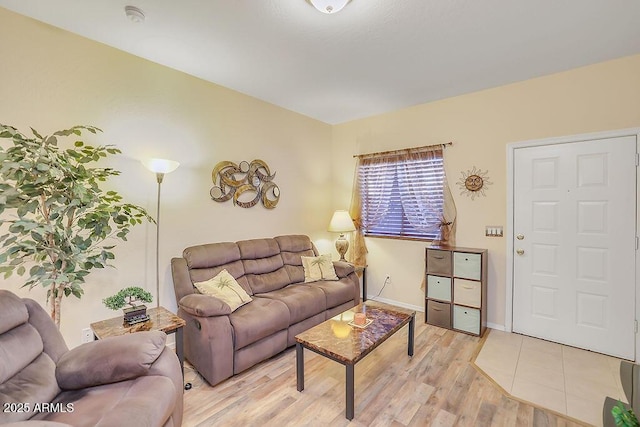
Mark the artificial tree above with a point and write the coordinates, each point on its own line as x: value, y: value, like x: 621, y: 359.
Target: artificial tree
x: 59, y: 222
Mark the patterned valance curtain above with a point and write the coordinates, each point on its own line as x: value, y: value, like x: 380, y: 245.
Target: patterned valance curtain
x: 425, y: 196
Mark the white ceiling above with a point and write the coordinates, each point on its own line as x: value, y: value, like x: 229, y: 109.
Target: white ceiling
x: 372, y: 57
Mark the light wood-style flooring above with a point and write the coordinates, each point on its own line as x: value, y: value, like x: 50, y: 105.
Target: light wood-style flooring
x: 439, y: 386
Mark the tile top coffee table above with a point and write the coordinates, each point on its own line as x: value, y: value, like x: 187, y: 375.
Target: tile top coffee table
x: 337, y: 340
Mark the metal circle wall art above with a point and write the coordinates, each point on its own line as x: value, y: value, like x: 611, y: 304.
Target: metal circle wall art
x: 244, y: 183
x: 474, y: 182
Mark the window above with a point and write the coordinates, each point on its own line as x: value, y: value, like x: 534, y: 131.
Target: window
x: 401, y: 195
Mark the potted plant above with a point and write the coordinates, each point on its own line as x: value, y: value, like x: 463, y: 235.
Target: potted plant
x: 624, y: 417
x: 130, y: 296
x: 60, y: 223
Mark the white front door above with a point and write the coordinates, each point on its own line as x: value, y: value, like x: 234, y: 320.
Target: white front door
x: 574, y: 244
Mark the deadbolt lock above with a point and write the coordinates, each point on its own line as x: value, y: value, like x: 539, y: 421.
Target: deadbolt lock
x: 520, y: 237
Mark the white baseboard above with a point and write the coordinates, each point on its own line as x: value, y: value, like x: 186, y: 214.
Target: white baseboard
x: 398, y: 303
x: 496, y: 326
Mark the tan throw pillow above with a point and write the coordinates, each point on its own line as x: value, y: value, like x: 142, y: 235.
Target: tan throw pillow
x: 225, y: 288
x: 318, y: 268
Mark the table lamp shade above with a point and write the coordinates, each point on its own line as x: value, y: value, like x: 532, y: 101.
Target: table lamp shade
x: 341, y: 222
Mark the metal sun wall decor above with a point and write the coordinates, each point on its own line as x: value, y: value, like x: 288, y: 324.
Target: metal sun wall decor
x: 236, y: 181
x: 473, y: 182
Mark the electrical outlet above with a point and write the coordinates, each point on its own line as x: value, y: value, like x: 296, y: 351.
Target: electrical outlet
x: 87, y: 335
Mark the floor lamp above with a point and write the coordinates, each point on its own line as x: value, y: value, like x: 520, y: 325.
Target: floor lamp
x: 160, y: 167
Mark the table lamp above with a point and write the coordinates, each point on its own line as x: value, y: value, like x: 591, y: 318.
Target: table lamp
x: 341, y: 223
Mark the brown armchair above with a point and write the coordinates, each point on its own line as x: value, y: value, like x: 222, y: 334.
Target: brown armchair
x: 129, y: 380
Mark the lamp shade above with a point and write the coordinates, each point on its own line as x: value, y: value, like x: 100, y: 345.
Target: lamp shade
x: 329, y: 6
x: 161, y: 165
x: 341, y: 222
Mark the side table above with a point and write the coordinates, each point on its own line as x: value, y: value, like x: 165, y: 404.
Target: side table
x: 362, y: 269
x: 160, y: 319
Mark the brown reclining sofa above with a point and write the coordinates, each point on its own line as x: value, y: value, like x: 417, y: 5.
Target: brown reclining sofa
x: 220, y: 343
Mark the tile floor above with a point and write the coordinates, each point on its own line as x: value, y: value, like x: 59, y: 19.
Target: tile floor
x: 567, y: 380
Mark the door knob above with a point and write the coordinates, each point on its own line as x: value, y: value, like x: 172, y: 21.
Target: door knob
x: 520, y: 251
x: 520, y: 237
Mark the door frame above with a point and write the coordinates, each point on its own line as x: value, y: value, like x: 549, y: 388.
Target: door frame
x: 508, y: 320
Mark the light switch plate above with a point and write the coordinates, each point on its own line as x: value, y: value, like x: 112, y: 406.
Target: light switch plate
x: 493, y: 231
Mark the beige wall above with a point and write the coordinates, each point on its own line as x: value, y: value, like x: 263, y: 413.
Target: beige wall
x: 51, y: 79
x: 600, y: 97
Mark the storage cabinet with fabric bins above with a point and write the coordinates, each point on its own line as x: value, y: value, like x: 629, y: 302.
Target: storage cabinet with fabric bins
x: 456, y: 288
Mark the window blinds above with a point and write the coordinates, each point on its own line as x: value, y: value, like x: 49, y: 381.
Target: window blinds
x: 402, y: 195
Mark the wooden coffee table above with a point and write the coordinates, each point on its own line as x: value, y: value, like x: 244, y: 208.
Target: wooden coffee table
x: 347, y: 345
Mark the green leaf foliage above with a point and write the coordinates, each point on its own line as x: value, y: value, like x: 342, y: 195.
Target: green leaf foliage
x: 127, y: 296
x: 623, y: 416
x: 59, y: 223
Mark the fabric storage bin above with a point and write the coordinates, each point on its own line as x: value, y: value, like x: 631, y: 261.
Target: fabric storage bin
x: 439, y: 314
x: 467, y: 265
x: 439, y: 288
x: 467, y: 292
x: 466, y: 319
x: 438, y: 262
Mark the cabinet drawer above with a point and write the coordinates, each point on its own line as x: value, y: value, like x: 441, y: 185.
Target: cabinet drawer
x: 467, y: 265
x: 466, y: 319
x: 439, y: 287
x: 439, y: 262
x: 467, y: 292
x: 439, y: 314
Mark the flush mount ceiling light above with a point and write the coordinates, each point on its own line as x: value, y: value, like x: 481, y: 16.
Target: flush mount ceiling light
x: 134, y: 14
x: 329, y: 6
